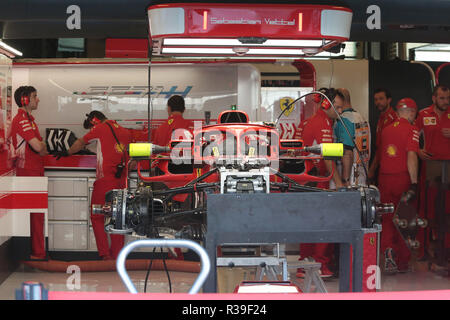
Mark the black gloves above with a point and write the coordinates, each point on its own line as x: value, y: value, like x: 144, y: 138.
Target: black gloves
x: 59, y: 154
x: 410, y: 194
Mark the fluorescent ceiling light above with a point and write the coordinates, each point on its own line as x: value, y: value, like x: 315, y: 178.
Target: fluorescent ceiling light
x: 443, y: 56
x: 328, y: 54
x: 10, y: 49
x: 236, y: 42
x: 294, y: 52
x: 230, y: 51
x: 198, y: 50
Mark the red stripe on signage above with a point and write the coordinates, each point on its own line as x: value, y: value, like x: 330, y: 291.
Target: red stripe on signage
x: 24, y: 201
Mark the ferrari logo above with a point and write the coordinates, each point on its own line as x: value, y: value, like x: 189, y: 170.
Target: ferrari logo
x: 284, y: 103
x: 391, y: 150
x: 448, y: 115
x: 372, y: 240
x: 396, y: 124
x: 170, y: 121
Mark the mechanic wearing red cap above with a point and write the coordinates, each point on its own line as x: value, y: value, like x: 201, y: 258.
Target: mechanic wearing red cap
x: 382, y: 99
x: 398, y: 173
x: 166, y: 132
x: 434, y: 124
x: 112, y: 140
x: 29, y: 150
x: 319, y: 129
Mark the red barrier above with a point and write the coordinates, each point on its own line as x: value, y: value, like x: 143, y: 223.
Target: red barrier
x: 403, y: 295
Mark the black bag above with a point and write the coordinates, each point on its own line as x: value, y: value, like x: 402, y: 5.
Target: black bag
x: 120, y: 166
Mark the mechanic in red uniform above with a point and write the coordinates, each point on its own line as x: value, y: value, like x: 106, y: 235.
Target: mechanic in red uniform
x: 175, y: 127
x: 111, y: 152
x: 312, y: 103
x: 29, y: 150
x: 398, y: 174
x: 319, y: 129
x: 382, y: 99
x: 434, y: 124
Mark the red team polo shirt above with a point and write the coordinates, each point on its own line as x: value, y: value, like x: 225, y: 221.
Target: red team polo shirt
x: 109, y: 153
x: 299, y: 132
x: 396, y: 140
x: 316, y: 130
x: 23, y: 129
x: 386, y: 118
x: 431, y: 125
x: 163, y: 134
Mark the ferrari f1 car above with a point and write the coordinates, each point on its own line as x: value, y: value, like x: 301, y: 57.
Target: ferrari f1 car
x: 232, y: 156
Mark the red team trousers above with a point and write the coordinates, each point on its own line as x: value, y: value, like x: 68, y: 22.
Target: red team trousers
x: 428, y: 196
x: 101, y: 186
x: 391, y: 188
x: 37, y: 219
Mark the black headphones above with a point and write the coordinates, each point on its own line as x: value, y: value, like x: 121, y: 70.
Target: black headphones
x: 24, y: 100
x: 91, y: 120
x: 324, y: 103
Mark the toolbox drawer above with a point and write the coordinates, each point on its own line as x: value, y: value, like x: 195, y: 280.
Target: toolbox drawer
x: 67, y: 187
x: 67, y: 235
x: 68, y: 208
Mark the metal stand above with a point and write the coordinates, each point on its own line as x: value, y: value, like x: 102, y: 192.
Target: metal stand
x: 264, y: 266
x: 312, y: 275
x: 307, y: 217
x: 205, y: 264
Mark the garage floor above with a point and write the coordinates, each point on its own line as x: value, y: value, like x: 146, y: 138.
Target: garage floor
x: 181, y: 281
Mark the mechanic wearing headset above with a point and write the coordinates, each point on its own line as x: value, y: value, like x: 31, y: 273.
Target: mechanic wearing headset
x: 29, y: 152
x: 319, y: 129
x: 397, y: 178
x: 434, y: 124
x: 112, y: 140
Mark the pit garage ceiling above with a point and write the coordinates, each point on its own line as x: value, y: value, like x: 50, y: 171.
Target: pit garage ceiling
x: 384, y: 21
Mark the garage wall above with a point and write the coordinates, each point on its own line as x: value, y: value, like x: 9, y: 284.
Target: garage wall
x: 350, y: 74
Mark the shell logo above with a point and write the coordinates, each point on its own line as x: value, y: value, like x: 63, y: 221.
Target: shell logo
x: 119, y: 148
x: 429, y: 121
x: 391, y: 150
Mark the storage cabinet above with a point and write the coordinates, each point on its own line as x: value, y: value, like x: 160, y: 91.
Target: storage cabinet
x: 69, y: 197
x: 69, y: 223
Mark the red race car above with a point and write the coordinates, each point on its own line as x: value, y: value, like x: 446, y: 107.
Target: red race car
x: 232, y: 156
